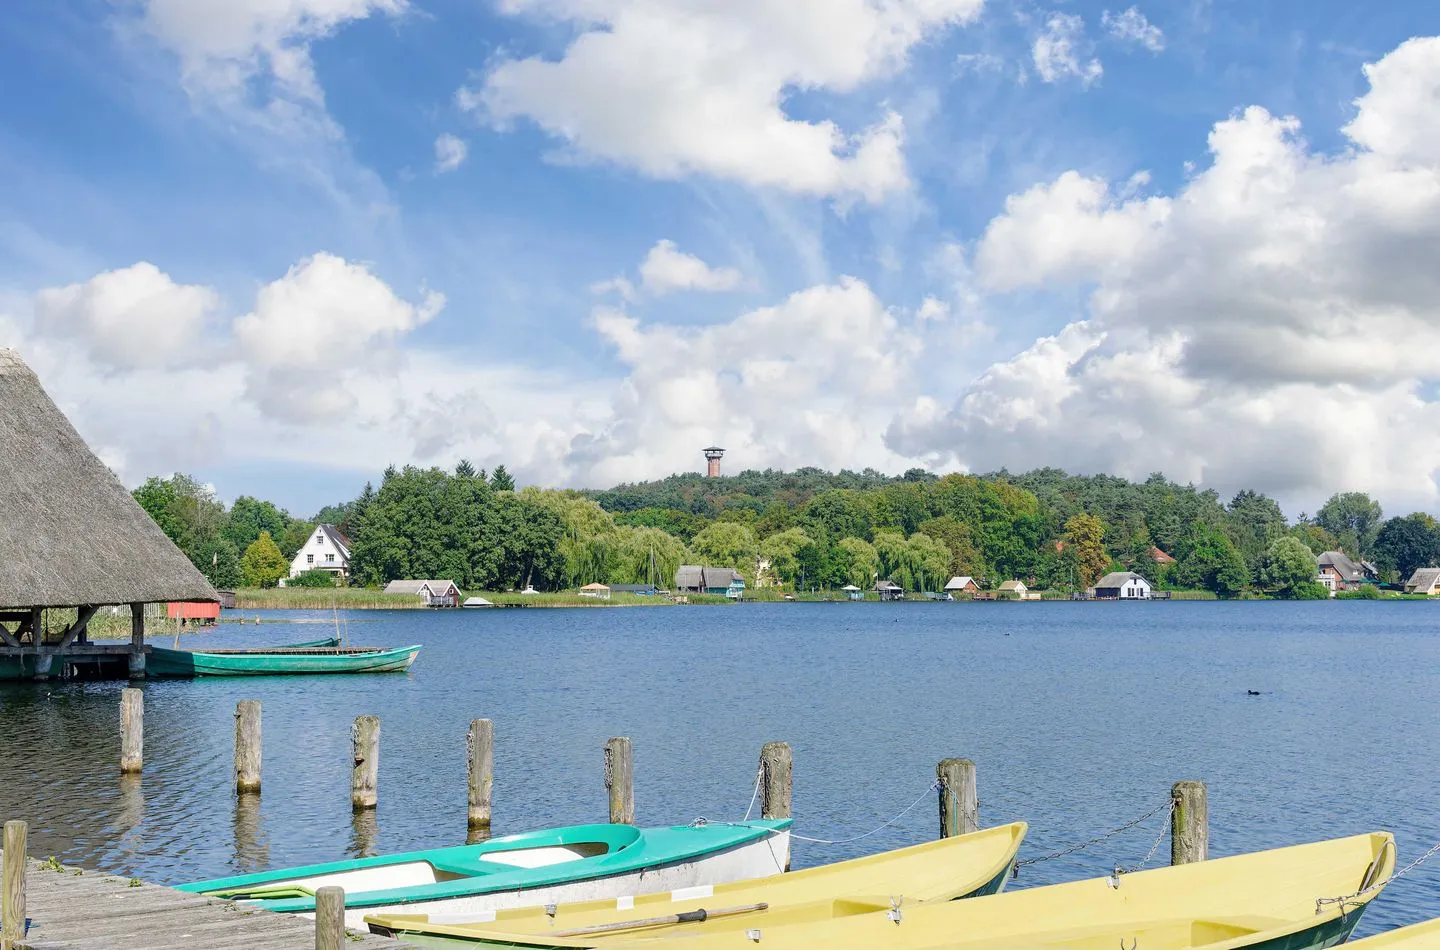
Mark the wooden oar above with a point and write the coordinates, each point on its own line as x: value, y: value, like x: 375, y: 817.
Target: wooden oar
x: 689, y: 917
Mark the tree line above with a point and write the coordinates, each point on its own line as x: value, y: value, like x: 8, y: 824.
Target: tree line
x: 807, y: 529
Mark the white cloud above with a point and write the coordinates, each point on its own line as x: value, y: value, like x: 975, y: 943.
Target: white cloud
x: 225, y: 44
x: 1264, y: 327
x: 666, y: 268
x: 132, y: 318
x: 932, y: 308
x: 1132, y: 27
x: 450, y: 153
x: 674, y: 89
x: 979, y: 63
x: 615, y: 285
x: 1058, y: 50
x: 809, y: 381
x: 315, y: 329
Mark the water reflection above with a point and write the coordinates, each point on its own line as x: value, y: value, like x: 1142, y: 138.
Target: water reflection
x: 477, y: 836
x: 364, y: 831
x: 129, y: 816
x: 252, y: 845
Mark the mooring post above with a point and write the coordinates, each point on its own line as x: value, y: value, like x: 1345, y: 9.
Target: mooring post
x: 1189, y: 823
x: 329, y: 918
x: 12, y: 911
x: 132, y: 730
x: 137, y: 641
x: 620, y: 780
x: 480, y: 748
x: 959, y: 801
x: 776, y: 780
x: 366, y: 774
x: 247, y: 746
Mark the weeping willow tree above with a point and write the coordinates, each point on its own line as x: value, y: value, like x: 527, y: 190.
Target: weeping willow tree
x: 647, y: 556
x: 918, y: 562
x: 588, y: 545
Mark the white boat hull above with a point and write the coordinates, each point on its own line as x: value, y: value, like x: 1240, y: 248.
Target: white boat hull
x: 758, y: 858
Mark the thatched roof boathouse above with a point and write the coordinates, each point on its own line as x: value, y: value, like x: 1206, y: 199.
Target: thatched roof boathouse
x: 72, y: 536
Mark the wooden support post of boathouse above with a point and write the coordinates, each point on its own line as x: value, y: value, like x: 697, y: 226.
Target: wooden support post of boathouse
x: 776, y: 780
x: 132, y: 730
x: 959, y: 800
x: 137, y: 641
x: 365, y: 776
x: 329, y: 918
x: 247, y: 746
x: 480, y: 752
x: 1189, y: 823
x: 620, y: 780
x: 12, y: 902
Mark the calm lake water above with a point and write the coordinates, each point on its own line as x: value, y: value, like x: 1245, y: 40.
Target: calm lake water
x: 1079, y: 716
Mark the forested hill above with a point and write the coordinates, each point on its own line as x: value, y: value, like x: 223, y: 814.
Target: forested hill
x: 803, y: 529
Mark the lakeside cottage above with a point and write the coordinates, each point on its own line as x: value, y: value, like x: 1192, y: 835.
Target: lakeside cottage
x: 695, y: 579
x: 889, y: 590
x: 433, y: 593
x: 961, y: 585
x: 1425, y: 581
x: 1122, y: 585
x: 326, y: 550
x: 1017, y: 588
x: 1338, y: 572
x: 73, y: 537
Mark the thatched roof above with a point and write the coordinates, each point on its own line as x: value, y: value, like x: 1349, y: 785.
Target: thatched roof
x: 70, y: 532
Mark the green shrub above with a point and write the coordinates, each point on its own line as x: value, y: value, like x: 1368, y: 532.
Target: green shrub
x: 312, y: 578
x: 1310, y: 590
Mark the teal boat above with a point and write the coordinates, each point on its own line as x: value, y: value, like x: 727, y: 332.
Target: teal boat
x: 315, y: 656
x: 559, y: 865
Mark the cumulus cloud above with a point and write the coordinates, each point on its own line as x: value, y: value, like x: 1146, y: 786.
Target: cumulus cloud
x: 698, y: 88
x: 805, y: 382
x: 317, y: 327
x: 667, y: 268
x: 450, y: 153
x: 225, y: 44
x: 1261, y: 327
x: 1058, y: 50
x: 134, y: 317
x: 1132, y: 27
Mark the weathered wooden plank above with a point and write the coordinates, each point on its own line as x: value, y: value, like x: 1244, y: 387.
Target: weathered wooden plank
x: 12, y: 879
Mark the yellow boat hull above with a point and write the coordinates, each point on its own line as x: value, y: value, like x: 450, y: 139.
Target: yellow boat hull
x: 1264, y: 900
x: 969, y: 865
x: 1424, y: 936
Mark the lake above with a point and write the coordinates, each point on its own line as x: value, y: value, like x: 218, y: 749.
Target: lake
x: 1079, y: 716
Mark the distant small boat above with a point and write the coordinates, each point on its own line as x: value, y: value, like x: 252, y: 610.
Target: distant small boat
x: 314, y: 656
x: 477, y: 602
x: 579, y: 862
x: 970, y: 865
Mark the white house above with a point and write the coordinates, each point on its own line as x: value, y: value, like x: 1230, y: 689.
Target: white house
x: 432, y: 593
x: 1123, y: 585
x: 325, y: 550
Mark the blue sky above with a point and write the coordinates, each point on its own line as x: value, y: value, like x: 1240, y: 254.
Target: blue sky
x: 963, y: 234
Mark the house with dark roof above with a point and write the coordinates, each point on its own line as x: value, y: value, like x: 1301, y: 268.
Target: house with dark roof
x: 889, y: 590
x: 1122, y: 585
x: 1339, y: 572
x: 72, y: 537
x: 696, y: 579
x: 1426, y: 581
x: 325, y: 550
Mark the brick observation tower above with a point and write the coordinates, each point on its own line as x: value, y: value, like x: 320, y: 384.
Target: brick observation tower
x: 713, y: 455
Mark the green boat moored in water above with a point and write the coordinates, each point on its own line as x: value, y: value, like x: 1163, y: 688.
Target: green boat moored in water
x: 316, y: 656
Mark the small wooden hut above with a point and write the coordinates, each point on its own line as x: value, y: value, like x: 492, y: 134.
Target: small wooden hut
x: 72, y: 537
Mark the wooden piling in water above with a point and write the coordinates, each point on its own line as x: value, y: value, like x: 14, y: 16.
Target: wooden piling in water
x: 1189, y: 823
x: 137, y: 641
x: 480, y: 751
x: 12, y: 879
x: 620, y: 780
x: 366, y: 773
x: 959, y: 801
x: 132, y: 730
x: 329, y: 918
x: 247, y: 746
x: 776, y: 780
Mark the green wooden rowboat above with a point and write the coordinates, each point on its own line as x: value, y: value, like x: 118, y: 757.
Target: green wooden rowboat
x: 315, y: 656
x: 575, y: 863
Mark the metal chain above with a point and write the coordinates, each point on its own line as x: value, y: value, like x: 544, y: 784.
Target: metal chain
x: 935, y: 786
x: 1076, y: 848
x: 1155, y: 845
x: 972, y: 816
x: 1320, y: 902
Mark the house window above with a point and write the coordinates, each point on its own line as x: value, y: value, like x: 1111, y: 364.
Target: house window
x: 329, y: 559
x: 309, y: 559
x: 319, y: 539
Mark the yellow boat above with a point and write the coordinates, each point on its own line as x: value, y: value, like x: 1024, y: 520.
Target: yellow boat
x: 1275, y: 900
x: 966, y: 866
x: 1424, y: 936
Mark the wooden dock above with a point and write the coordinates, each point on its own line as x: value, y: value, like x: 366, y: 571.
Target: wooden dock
x: 71, y: 909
